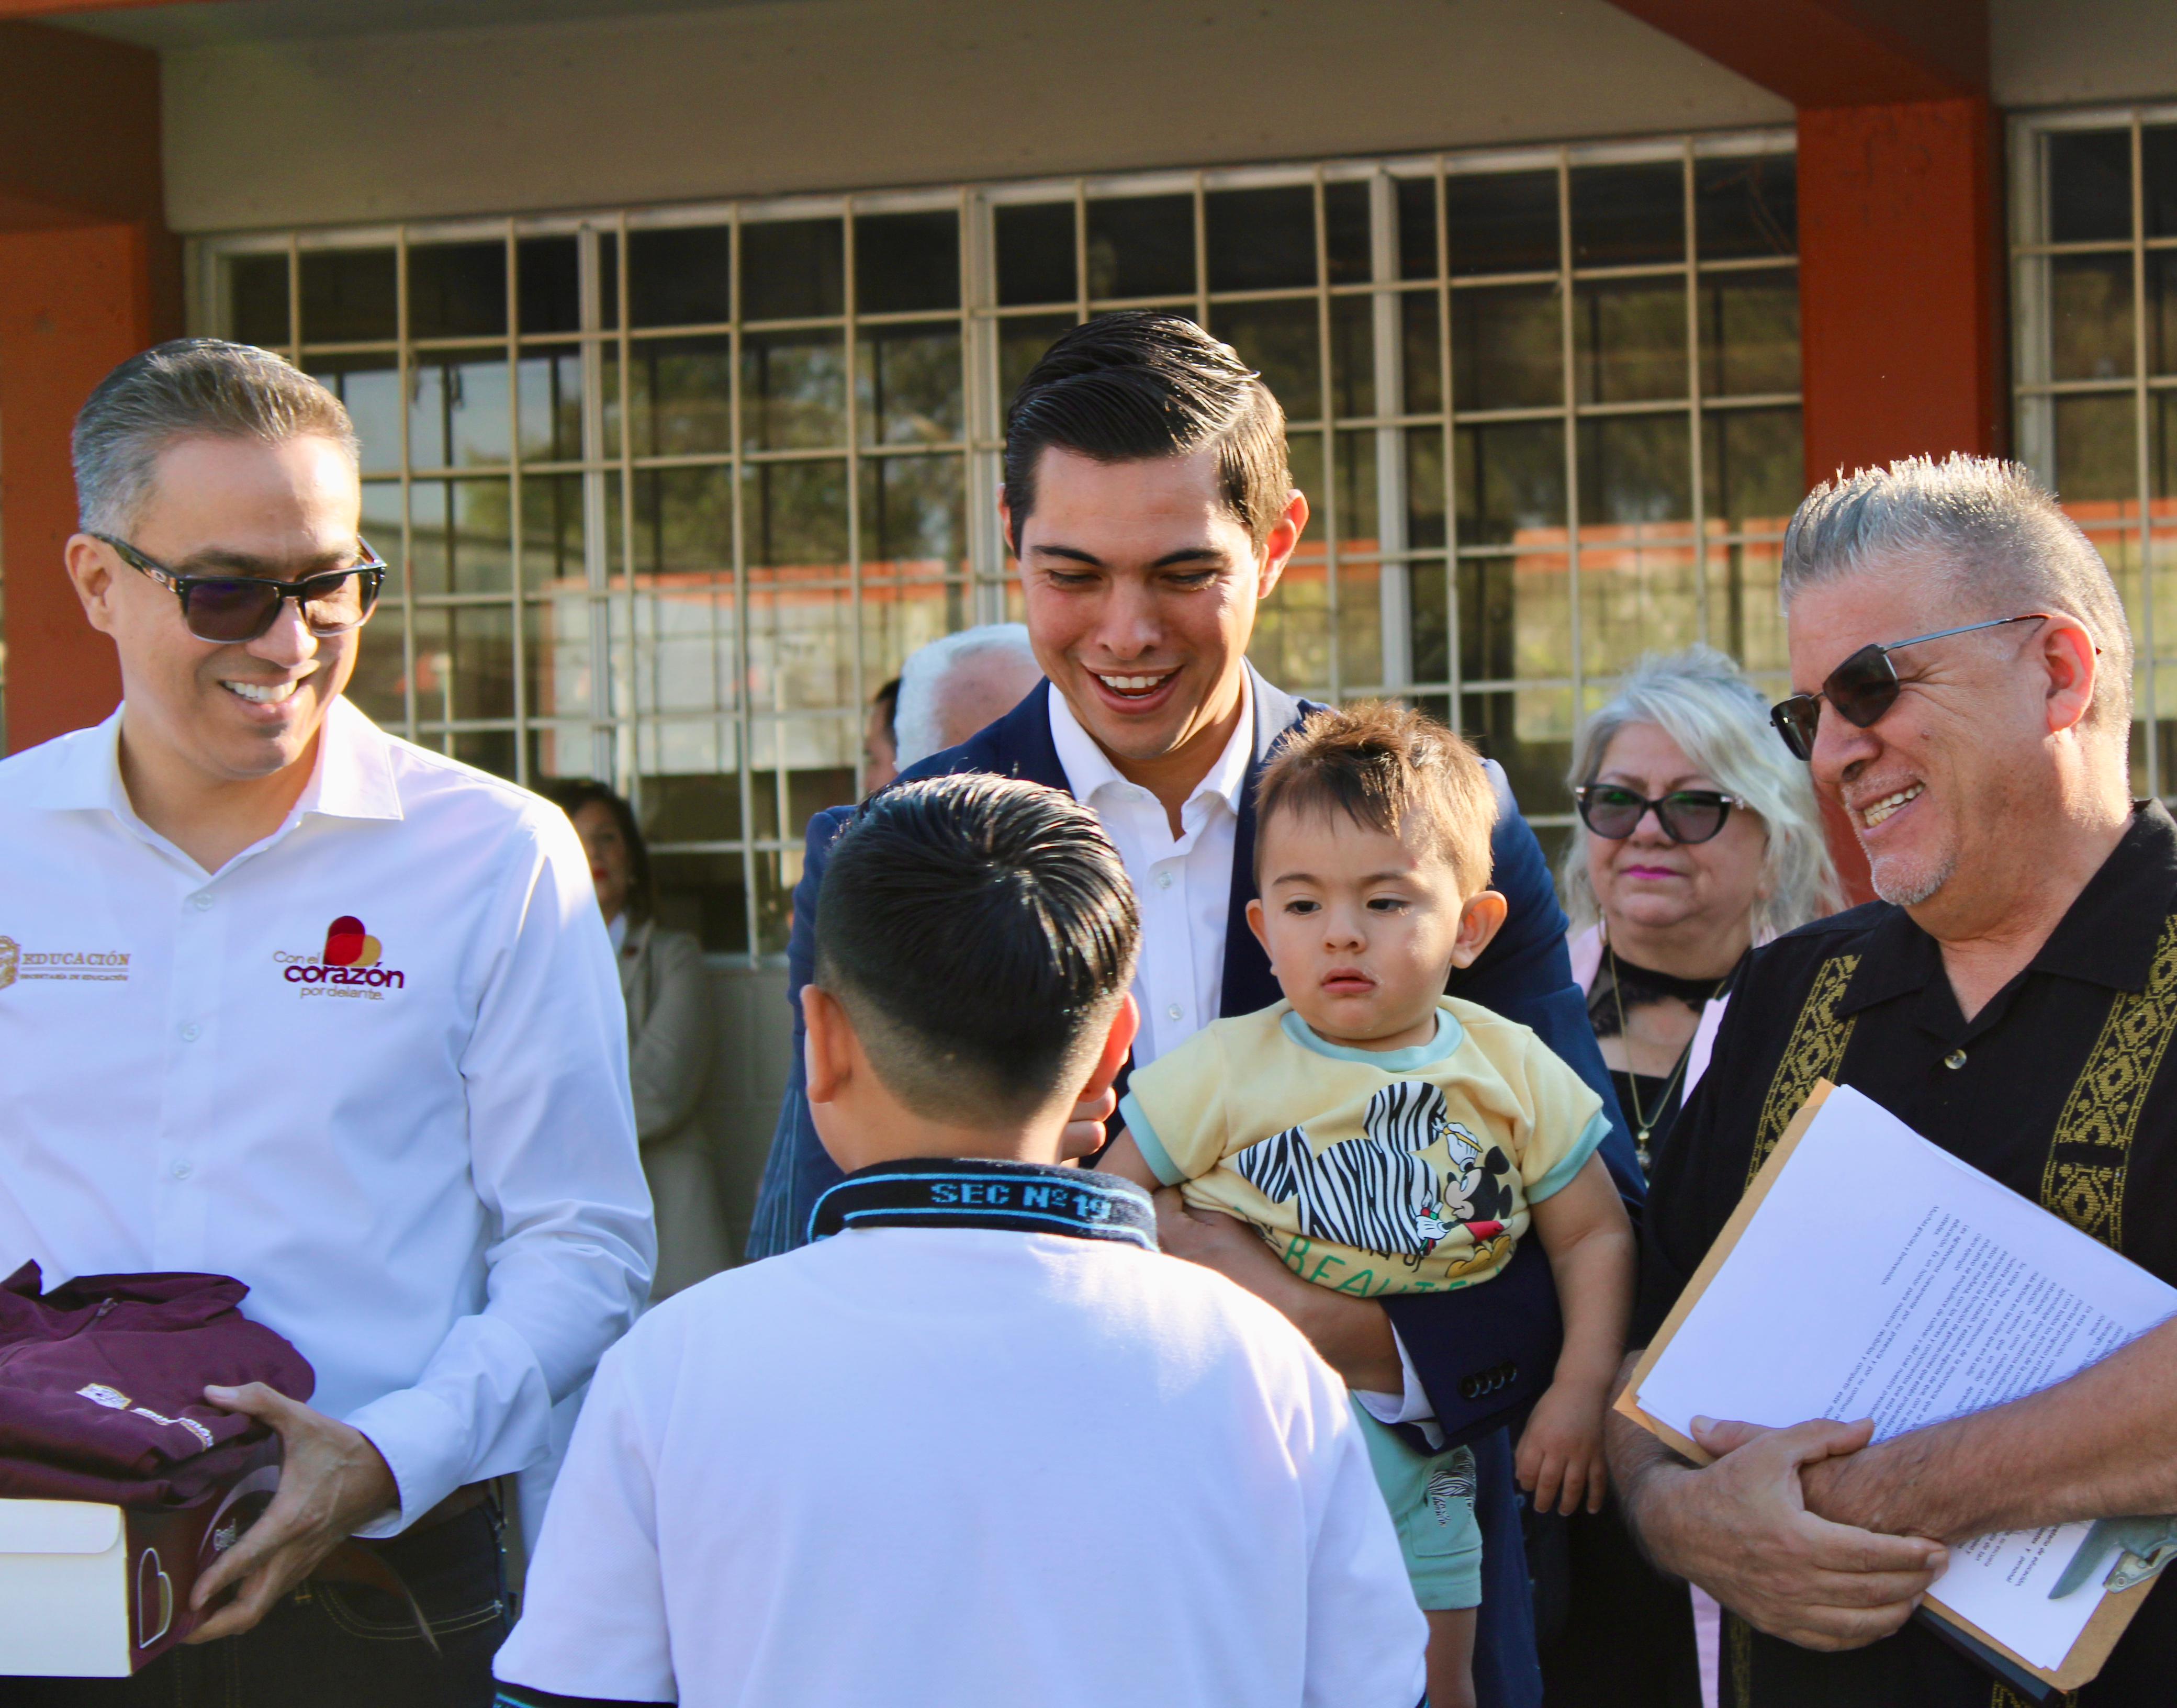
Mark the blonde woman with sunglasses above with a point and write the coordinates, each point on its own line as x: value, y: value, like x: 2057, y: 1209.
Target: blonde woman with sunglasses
x: 1699, y: 838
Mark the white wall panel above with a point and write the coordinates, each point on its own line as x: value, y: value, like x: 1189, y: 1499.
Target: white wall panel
x: 2045, y: 52
x: 827, y: 94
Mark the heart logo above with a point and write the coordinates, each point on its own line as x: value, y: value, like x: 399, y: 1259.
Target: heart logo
x: 154, y: 1589
x: 348, y: 945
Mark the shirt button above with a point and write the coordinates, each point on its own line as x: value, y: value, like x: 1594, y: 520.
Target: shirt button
x: 1957, y: 1058
x: 1164, y: 879
x: 182, y: 1171
x: 201, y: 903
x: 190, y: 1034
x: 1173, y: 1011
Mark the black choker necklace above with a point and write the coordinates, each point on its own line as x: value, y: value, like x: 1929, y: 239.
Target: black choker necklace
x: 1638, y: 984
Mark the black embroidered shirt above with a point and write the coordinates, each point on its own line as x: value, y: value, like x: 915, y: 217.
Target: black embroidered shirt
x: 2062, y: 1088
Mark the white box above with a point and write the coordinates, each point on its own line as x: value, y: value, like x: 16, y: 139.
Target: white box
x: 88, y: 1591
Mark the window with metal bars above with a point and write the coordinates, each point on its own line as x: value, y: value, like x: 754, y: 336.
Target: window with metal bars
x: 671, y: 491
x: 2094, y: 325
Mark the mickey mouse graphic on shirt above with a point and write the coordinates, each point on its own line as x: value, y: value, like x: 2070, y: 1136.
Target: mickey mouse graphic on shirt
x: 1377, y: 1192
x: 1478, y: 1194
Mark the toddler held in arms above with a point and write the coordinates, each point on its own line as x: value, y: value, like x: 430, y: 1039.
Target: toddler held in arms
x: 1387, y: 1138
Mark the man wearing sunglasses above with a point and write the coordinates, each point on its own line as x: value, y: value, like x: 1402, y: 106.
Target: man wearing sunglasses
x: 1962, y: 667
x: 300, y: 1003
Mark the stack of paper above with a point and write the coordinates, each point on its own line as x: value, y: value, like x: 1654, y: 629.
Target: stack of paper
x: 1869, y: 1274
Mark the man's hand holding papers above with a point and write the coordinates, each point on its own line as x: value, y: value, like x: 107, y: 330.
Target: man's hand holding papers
x: 1785, y: 1569
x: 1967, y: 1317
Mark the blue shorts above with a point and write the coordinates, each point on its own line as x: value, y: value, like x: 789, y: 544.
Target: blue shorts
x: 1431, y: 1496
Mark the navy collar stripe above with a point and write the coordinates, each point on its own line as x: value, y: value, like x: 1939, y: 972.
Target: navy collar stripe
x: 1079, y: 1181
x: 1021, y: 1197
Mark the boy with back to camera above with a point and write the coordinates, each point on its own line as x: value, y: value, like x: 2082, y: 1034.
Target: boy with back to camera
x: 978, y: 1445
x: 1387, y: 1138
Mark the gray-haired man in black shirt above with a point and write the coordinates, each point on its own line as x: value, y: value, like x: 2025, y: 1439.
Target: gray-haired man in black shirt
x: 1963, y: 670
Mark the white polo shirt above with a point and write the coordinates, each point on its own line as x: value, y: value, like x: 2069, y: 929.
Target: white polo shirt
x: 375, y: 1067
x: 968, y: 1468
x: 1182, y: 884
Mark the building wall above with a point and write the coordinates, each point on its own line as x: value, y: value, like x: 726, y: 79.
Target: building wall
x: 835, y: 95
x: 829, y: 94
x: 2052, y: 52
x: 754, y: 1051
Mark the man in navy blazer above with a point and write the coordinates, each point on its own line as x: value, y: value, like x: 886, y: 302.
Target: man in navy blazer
x: 1148, y: 499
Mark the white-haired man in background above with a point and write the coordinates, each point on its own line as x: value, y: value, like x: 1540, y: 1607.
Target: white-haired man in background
x: 953, y: 687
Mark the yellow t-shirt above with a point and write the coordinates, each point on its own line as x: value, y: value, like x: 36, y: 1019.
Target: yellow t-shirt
x: 1370, y: 1172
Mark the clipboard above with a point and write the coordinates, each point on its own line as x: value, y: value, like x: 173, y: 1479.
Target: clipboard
x: 2088, y: 1655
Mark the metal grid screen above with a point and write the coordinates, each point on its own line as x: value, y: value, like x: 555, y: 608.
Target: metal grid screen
x: 2094, y: 232
x: 671, y: 491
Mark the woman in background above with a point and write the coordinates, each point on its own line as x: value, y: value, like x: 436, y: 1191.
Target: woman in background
x: 1700, y: 838
x: 669, y: 1039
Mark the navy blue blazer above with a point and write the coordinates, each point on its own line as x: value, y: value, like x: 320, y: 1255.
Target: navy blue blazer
x: 1524, y: 974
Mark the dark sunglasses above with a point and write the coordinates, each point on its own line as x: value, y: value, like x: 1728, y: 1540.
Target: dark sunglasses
x: 1863, y: 687
x: 1686, y: 815
x: 232, y: 608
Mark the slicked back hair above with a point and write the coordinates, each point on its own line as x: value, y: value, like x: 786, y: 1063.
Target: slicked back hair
x: 1129, y: 386
x: 1995, y: 537
x: 189, y: 387
x: 1391, y: 769
x: 980, y: 933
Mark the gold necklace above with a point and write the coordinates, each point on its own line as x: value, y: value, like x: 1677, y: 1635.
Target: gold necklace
x: 1642, y: 1123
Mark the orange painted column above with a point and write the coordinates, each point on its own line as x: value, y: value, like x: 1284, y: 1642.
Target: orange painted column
x: 1901, y: 299
x: 1901, y: 283
x: 74, y: 301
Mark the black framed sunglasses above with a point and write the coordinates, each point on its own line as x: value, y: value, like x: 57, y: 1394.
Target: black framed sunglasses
x: 1863, y: 687
x: 228, y: 609
x: 1614, y: 812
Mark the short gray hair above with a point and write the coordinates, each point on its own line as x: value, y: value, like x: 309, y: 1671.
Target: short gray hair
x: 189, y: 387
x: 918, y: 721
x: 1701, y: 701
x: 1998, y: 537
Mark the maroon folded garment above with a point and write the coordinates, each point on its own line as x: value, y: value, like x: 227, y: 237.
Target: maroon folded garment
x: 102, y: 1380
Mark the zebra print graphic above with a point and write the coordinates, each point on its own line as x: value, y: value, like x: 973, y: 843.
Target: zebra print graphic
x: 1374, y: 1193
x: 1451, y: 1486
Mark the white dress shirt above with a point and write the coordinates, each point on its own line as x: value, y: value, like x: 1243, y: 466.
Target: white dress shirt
x: 968, y: 1468
x: 1183, y: 884
x: 413, y: 1141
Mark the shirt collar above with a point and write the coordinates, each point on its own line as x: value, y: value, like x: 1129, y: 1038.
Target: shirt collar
x: 351, y: 777
x: 1449, y: 1036
x: 85, y: 775
x: 354, y: 774
x: 1088, y: 769
x: 1026, y: 1197
x: 2107, y: 937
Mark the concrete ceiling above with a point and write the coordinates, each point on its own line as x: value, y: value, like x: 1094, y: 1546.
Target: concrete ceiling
x: 212, y: 23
